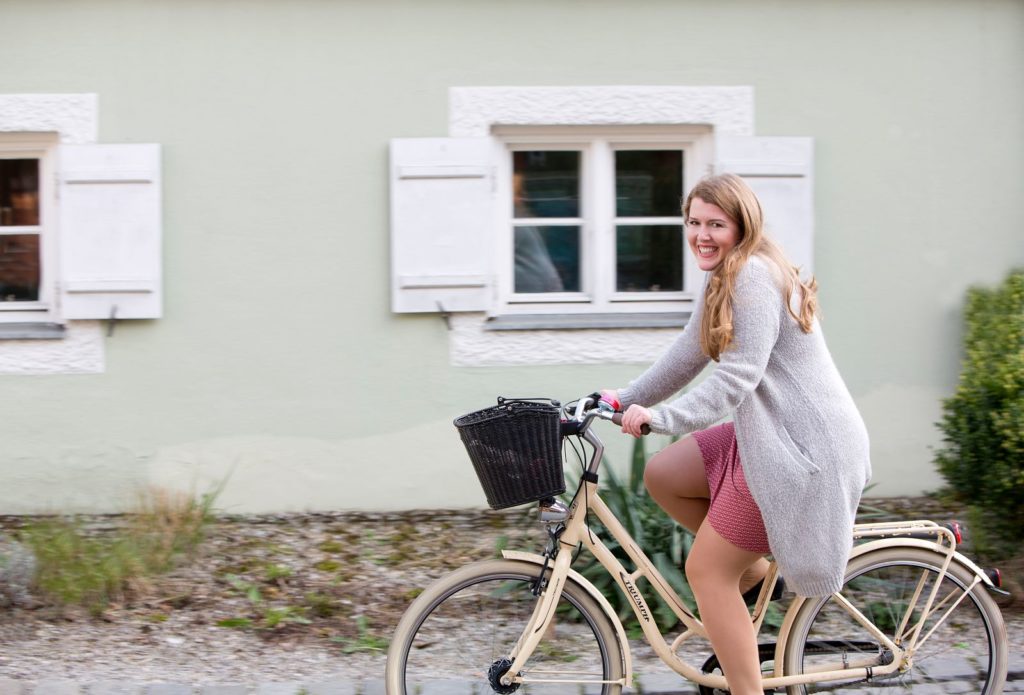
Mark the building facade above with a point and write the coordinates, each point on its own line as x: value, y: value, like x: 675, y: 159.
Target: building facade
x: 279, y: 246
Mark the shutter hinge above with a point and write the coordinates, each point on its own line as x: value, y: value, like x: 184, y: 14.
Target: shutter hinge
x: 112, y: 321
x: 446, y: 316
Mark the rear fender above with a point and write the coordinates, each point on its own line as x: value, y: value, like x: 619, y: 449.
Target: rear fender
x: 958, y: 558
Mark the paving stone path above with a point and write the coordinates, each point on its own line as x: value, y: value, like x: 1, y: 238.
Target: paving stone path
x: 656, y: 682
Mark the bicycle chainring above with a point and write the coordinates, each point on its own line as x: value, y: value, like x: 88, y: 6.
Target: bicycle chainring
x: 498, y: 669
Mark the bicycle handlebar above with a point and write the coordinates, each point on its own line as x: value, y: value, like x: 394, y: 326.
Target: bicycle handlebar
x: 589, y: 407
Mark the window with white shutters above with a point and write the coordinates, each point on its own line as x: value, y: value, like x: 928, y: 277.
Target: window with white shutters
x: 570, y: 221
x: 80, y: 232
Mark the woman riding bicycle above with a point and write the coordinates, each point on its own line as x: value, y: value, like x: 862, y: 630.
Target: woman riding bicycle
x: 795, y: 428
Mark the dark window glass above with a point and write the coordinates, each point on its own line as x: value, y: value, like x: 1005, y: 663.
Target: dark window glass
x: 649, y: 258
x: 19, y: 192
x: 19, y: 267
x: 546, y: 184
x: 547, y: 259
x: 648, y: 183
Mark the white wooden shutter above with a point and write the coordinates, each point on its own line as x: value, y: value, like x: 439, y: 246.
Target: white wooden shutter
x: 110, y: 222
x: 780, y: 170
x: 442, y: 207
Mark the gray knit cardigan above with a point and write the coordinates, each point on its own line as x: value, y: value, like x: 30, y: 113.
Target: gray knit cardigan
x: 802, y: 443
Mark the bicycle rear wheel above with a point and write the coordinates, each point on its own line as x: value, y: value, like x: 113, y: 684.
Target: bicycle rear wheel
x: 966, y: 653
x: 466, y: 623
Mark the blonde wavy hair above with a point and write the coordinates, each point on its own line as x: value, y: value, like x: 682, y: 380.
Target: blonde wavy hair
x: 734, y: 197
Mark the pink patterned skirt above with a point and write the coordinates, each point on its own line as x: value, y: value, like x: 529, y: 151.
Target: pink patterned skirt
x: 733, y: 512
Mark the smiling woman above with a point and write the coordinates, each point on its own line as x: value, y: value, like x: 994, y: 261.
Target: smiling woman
x: 795, y: 457
x: 710, y: 233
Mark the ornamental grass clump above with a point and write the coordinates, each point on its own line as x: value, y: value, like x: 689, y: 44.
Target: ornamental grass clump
x: 92, y: 563
x: 983, y: 422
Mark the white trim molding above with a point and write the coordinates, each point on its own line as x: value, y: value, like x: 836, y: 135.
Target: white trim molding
x: 476, y: 111
x: 74, y: 117
x: 473, y: 111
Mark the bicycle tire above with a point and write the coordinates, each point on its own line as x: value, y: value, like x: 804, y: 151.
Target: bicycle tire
x: 454, y: 631
x: 967, y: 652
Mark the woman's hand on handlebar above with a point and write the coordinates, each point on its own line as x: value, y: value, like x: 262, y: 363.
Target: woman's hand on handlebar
x: 635, y: 419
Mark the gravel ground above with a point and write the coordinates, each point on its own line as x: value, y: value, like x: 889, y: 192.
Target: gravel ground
x: 228, y: 615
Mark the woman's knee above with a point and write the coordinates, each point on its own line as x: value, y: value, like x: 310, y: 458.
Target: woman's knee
x: 677, y: 470
x: 657, y: 474
x: 699, y: 571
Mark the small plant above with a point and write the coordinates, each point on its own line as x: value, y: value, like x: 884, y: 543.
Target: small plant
x: 983, y: 422
x: 92, y: 569
x: 364, y: 641
x: 275, y: 573
x: 321, y: 605
x: 268, y: 616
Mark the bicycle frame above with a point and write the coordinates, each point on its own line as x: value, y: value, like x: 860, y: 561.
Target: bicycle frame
x: 576, y: 532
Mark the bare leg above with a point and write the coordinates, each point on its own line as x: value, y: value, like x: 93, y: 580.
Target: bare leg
x: 676, y: 479
x: 714, y: 568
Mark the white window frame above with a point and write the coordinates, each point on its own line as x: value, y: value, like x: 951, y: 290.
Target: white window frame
x: 43, y: 147
x: 597, y: 145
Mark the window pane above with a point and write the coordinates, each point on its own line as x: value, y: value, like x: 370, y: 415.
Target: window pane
x: 547, y: 259
x: 546, y: 184
x: 648, y: 183
x: 19, y: 192
x: 649, y: 258
x: 19, y: 267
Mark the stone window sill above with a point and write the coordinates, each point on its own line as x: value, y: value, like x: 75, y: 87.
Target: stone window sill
x: 31, y: 331
x: 534, y: 322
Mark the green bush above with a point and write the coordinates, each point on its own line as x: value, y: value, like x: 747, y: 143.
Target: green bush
x: 983, y: 423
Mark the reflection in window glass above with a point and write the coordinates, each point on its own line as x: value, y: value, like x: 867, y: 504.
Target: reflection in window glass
x: 547, y: 259
x: 19, y: 267
x: 648, y: 183
x: 649, y: 258
x: 19, y: 192
x: 546, y: 184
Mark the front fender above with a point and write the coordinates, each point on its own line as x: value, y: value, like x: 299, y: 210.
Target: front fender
x: 627, y: 658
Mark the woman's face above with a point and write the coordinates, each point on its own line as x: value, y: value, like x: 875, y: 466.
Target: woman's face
x: 710, y: 233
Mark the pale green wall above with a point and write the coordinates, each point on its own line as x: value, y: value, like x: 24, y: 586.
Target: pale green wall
x: 274, y: 119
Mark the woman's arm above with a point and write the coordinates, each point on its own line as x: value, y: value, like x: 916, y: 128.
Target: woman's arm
x: 758, y: 312
x: 680, y: 365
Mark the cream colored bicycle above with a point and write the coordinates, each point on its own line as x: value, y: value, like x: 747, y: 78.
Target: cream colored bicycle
x: 913, y: 610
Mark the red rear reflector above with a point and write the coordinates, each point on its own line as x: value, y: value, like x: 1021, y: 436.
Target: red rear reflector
x: 954, y: 526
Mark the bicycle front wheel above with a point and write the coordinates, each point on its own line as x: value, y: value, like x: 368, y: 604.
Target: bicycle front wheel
x: 966, y: 652
x: 460, y: 629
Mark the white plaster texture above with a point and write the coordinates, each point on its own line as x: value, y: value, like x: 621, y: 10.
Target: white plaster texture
x: 73, y: 116
x: 398, y: 469
x: 471, y: 345
x: 473, y: 111
x: 80, y: 351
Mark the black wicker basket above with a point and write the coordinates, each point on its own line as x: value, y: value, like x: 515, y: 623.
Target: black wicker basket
x: 516, y: 449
